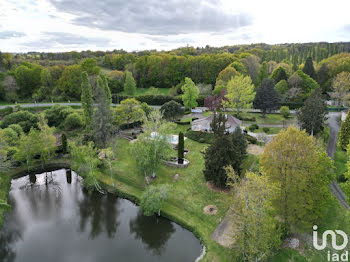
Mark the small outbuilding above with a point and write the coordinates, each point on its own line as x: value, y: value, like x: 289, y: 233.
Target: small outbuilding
x: 204, y: 124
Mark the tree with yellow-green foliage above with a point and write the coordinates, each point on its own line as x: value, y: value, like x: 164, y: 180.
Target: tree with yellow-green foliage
x: 87, y: 99
x: 47, y: 141
x: 301, y: 174
x: 240, y: 92
x: 130, y: 84
x: 129, y: 111
x: 190, y: 95
x: 255, y: 230
x: 345, y: 133
x: 341, y: 86
x: 225, y: 76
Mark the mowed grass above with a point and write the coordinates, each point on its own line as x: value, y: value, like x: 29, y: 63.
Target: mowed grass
x: 269, y: 119
x: 144, y: 91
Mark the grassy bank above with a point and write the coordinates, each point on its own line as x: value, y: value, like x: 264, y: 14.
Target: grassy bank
x: 186, y: 197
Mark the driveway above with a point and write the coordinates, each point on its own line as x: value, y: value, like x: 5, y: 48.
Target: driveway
x: 333, y: 123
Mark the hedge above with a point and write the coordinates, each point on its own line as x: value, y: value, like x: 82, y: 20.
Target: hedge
x: 292, y: 105
x: 199, y: 136
x: 156, y: 100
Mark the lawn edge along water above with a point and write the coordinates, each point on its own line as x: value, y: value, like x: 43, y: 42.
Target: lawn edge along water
x: 133, y: 194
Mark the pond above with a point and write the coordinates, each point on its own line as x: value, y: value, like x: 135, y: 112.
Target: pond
x: 54, y: 219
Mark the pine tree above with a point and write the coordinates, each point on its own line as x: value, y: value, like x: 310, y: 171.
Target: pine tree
x: 64, y: 143
x: 309, y: 68
x: 239, y: 143
x: 262, y: 74
x: 107, y: 89
x: 180, y: 148
x: 345, y: 133
x: 87, y: 99
x: 267, y: 98
x: 225, y: 150
x: 322, y: 77
x: 279, y: 74
x: 102, y: 115
x: 130, y: 84
x: 312, y: 115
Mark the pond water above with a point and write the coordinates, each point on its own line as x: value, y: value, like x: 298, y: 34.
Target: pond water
x: 53, y: 219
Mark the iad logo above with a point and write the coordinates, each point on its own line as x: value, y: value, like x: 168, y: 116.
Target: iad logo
x: 334, y: 256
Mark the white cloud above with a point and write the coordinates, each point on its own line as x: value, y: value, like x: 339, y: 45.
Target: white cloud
x: 52, y: 25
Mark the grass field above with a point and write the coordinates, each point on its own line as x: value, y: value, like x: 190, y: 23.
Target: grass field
x: 269, y: 119
x: 272, y: 130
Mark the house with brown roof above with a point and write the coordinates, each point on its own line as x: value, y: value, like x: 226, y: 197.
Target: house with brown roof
x: 204, y: 123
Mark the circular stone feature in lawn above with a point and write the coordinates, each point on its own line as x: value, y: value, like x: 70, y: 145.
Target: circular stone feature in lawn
x: 210, y: 210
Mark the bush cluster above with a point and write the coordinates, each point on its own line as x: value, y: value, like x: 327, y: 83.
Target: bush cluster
x: 57, y: 114
x: 6, y: 111
x: 266, y: 129
x: 253, y: 127
x: 158, y: 100
x: 199, y: 136
x: 251, y: 139
x: 73, y: 121
x: 25, y: 119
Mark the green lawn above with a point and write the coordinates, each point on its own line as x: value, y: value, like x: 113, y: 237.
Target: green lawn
x: 143, y: 91
x: 272, y: 130
x: 269, y: 119
x: 190, y: 189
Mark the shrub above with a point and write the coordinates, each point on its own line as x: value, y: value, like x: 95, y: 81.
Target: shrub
x: 266, y: 129
x: 251, y: 139
x: 73, y: 121
x: 146, y: 108
x: 284, y: 111
x: 25, y: 119
x: 159, y: 100
x: 6, y: 111
x: 11, y: 136
x: 57, y: 114
x: 172, y: 110
x: 199, y: 136
x: 17, y: 128
x: 253, y: 127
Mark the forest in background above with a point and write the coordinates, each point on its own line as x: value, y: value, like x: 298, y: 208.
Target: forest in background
x: 57, y: 76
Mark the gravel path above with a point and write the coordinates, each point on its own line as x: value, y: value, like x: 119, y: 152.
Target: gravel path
x: 333, y: 122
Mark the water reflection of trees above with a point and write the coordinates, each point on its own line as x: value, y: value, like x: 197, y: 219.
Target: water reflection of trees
x: 7, y: 238
x: 101, y: 211
x: 10, y: 234
x: 153, y: 231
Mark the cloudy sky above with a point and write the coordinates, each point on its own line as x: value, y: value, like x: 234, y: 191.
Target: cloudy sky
x: 64, y: 25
